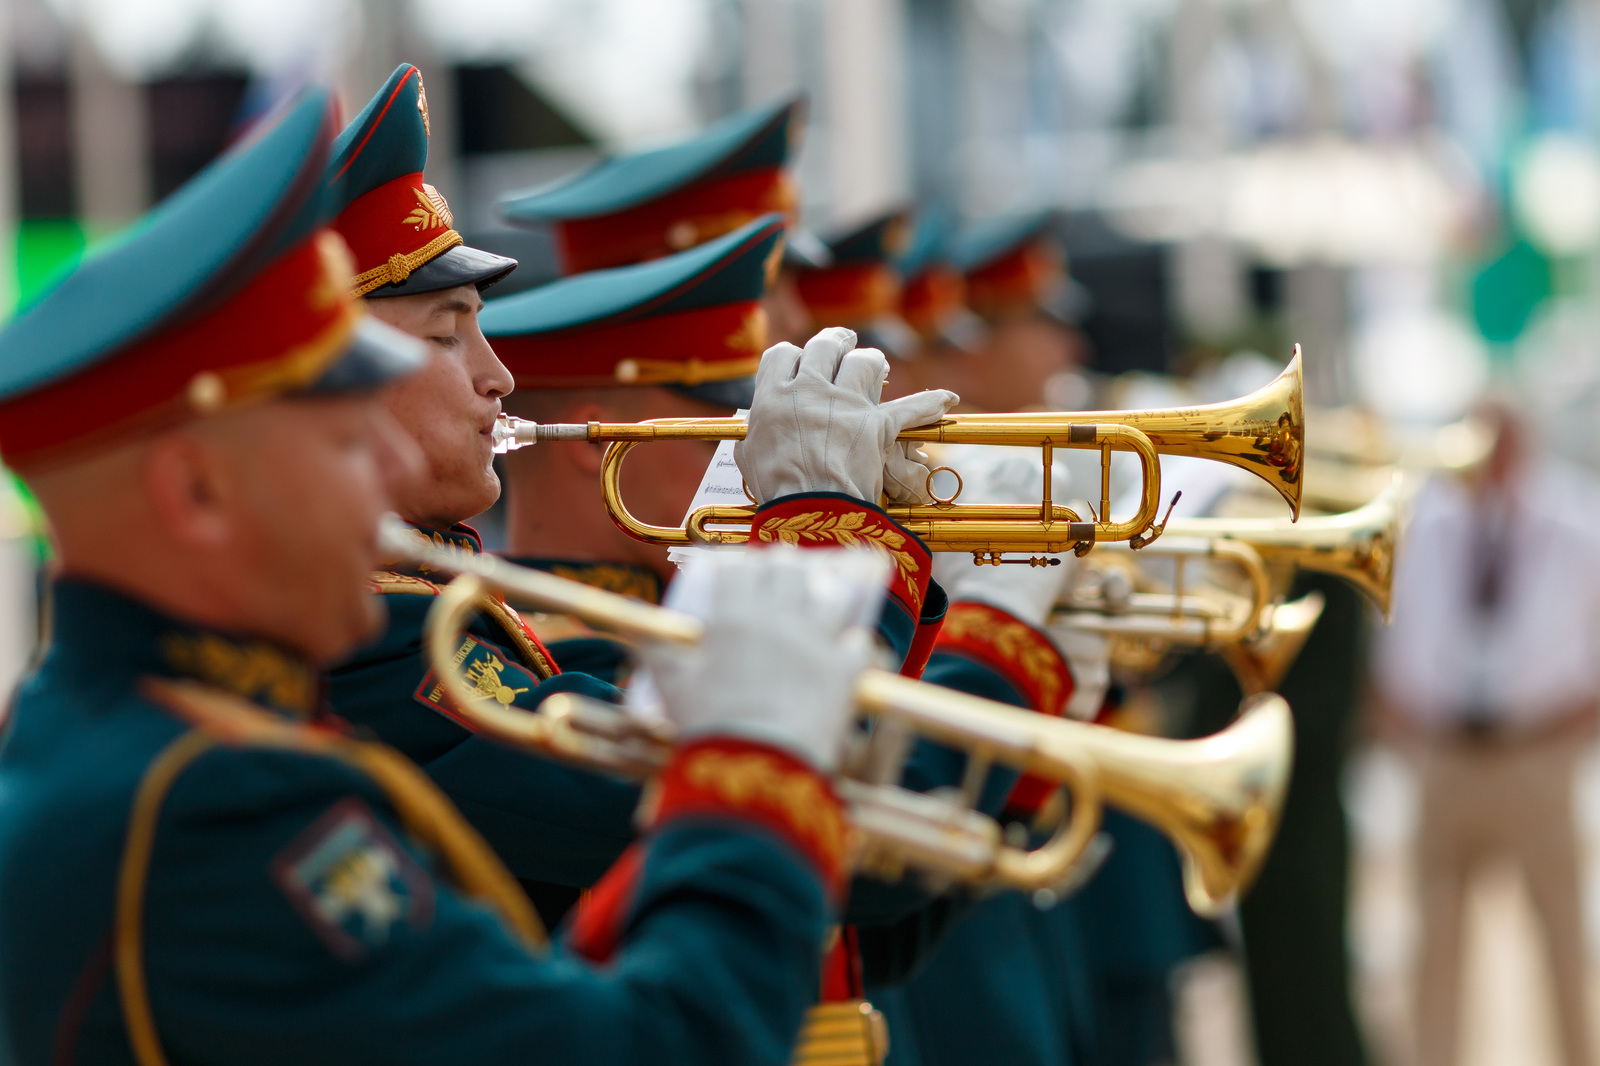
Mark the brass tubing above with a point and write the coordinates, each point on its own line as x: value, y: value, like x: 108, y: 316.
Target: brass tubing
x: 1263, y: 433
x: 1222, y: 820
x: 1176, y: 617
x: 1217, y: 799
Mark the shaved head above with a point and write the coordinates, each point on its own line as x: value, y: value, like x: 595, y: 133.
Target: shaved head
x: 261, y: 522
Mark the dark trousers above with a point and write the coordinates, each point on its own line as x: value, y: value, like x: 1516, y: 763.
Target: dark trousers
x: 1293, y: 920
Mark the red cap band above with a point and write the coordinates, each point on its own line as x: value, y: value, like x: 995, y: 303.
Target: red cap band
x: 1015, y: 282
x: 275, y: 336
x: 675, y: 223
x: 855, y: 293
x: 930, y: 297
x: 394, y: 229
x: 685, y: 348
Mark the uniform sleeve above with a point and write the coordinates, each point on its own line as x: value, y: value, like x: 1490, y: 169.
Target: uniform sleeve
x: 294, y: 921
x: 548, y: 821
x: 915, y: 605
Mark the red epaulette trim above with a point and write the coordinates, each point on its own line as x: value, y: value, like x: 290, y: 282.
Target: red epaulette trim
x: 1020, y: 653
x: 837, y: 521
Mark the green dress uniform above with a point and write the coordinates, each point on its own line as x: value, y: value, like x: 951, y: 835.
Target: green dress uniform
x: 198, y: 864
x: 287, y: 910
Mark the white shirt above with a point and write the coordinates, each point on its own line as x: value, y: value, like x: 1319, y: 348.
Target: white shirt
x: 1536, y: 655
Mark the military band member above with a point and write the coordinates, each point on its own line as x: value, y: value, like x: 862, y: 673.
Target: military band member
x: 548, y: 822
x: 1007, y: 982
x: 197, y: 863
x: 558, y: 828
x: 1015, y: 279
x: 677, y: 338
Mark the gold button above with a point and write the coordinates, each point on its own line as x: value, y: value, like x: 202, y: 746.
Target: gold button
x: 682, y: 235
x: 207, y: 392
x: 627, y: 371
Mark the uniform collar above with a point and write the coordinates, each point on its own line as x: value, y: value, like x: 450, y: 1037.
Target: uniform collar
x: 460, y: 538
x: 626, y: 579
x: 99, y: 632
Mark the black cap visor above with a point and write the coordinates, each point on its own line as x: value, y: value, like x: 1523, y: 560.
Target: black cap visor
x: 449, y: 269
x: 378, y: 354
x: 804, y: 250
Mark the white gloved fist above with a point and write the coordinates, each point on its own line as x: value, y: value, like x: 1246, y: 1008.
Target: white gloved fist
x: 816, y: 424
x: 786, y: 636
x: 1003, y: 475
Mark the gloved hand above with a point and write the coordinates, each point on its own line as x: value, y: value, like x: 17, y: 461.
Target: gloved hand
x: 816, y: 424
x: 1003, y: 475
x: 786, y: 635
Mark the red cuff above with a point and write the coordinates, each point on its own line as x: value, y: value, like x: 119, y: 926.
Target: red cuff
x: 1026, y: 658
x: 726, y: 777
x: 833, y: 520
x: 1021, y: 654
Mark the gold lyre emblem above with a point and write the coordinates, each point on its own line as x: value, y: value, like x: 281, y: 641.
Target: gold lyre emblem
x: 485, y: 677
x: 431, y: 211
x: 422, y: 106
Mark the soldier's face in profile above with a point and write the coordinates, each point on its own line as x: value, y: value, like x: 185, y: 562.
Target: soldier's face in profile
x: 449, y: 407
x: 303, y: 485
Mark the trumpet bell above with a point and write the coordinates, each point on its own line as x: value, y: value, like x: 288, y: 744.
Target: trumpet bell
x: 1357, y: 546
x: 1223, y: 801
x: 1218, y: 799
x: 1263, y: 432
x: 1261, y: 662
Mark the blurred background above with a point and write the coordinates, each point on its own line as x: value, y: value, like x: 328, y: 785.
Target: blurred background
x: 1408, y: 188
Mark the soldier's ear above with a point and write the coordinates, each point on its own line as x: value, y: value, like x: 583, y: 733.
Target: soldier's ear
x: 185, y: 481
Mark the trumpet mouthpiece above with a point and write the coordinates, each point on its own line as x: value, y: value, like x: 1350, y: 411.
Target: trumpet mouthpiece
x: 511, y: 433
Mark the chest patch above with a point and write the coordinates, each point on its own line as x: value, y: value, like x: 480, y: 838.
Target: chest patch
x: 487, y: 669
x: 352, y: 882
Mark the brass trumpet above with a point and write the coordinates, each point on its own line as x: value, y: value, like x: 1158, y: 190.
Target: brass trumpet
x: 1263, y: 432
x: 1179, y: 616
x: 1357, y: 546
x: 1218, y: 799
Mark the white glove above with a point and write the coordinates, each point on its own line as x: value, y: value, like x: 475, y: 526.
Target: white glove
x: 786, y: 635
x: 816, y: 424
x: 1003, y: 475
